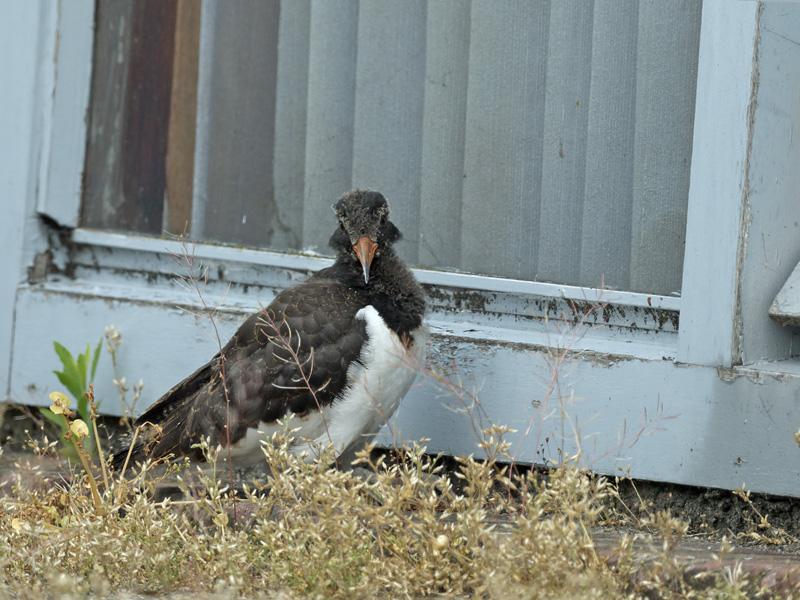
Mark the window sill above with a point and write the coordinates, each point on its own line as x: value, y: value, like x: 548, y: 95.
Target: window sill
x: 310, y: 262
x: 240, y: 280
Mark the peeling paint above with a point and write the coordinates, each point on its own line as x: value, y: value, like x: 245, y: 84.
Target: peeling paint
x: 42, y: 265
x: 758, y: 376
x: 744, y: 224
x: 546, y: 308
x: 450, y: 345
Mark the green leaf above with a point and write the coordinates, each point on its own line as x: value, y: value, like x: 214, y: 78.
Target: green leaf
x: 58, y: 420
x: 71, y: 384
x: 65, y: 356
x: 71, y: 377
x: 83, y: 367
x: 83, y: 408
x: 61, y: 421
x: 96, y: 358
x: 89, y: 442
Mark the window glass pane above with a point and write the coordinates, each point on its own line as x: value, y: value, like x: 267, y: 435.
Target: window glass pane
x: 125, y: 181
x: 543, y: 140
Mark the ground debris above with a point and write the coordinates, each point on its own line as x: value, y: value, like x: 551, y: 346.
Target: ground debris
x: 401, y: 530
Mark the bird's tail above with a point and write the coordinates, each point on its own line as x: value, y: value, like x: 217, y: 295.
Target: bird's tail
x: 158, y: 431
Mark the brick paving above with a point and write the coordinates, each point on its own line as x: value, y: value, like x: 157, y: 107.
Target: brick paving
x: 776, y: 569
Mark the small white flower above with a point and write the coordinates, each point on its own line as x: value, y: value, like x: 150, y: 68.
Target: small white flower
x: 113, y: 338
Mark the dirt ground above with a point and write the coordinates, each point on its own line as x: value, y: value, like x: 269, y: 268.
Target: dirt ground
x: 718, y: 512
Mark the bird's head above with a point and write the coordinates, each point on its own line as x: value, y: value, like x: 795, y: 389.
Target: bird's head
x: 364, y: 227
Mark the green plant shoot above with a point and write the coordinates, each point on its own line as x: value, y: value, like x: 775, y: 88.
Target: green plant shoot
x: 75, y: 375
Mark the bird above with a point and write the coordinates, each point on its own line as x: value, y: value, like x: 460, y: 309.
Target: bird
x: 336, y: 353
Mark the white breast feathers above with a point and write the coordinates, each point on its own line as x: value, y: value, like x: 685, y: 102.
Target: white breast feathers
x: 375, y: 386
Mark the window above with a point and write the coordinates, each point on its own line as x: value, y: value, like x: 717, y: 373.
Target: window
x: 542, y: 141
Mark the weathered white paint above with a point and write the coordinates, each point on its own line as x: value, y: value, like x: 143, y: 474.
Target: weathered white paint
x: 237, y: 300
x: 67, y: 74
x: 717, y: 188
x: 773, y: 212
x: 652, y: 418
x: 655, y: 420
x: 307, y: 262
x: 25, y: 31
x: 785, y: 309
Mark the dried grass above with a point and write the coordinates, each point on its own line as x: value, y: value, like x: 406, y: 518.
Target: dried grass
x: 405, y: 530
x: 392, y: 529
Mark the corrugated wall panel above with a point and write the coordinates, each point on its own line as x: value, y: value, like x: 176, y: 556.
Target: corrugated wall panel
x: 503, y: 154
x: 102, y: 198
x: 389, y: 104
x: 241, y: 126
x: 564, y: 145
x: 443, y: 120
x: 331, y: 108
x: 288, y: 167
x: 605, y: 236
x: 666, y: 75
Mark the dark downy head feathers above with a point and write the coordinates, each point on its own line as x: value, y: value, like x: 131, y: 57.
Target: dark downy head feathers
x: 364, y: 227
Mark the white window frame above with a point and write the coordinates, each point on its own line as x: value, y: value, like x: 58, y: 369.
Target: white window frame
x: 690, y: 383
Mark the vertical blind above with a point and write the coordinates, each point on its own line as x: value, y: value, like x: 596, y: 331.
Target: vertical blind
x: 534, y: 139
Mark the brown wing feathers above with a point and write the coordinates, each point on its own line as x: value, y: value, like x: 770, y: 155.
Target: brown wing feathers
x: 308, y: 332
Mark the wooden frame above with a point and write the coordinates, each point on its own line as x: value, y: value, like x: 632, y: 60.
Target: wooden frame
x: 718, y: 188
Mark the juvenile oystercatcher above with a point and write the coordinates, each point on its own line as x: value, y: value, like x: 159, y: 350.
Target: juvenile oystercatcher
x: 337, y: 352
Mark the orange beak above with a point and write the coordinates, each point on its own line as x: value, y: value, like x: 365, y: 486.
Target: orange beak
x: 365, y: 250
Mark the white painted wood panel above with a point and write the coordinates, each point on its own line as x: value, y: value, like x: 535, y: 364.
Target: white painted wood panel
x: 67, y: 110
x: 717, y: 189
x: 27, y: 30
x: 688, y: 424
x: 772, y: 237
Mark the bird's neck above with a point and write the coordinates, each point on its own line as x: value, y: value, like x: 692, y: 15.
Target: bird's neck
x: 391, y: 289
